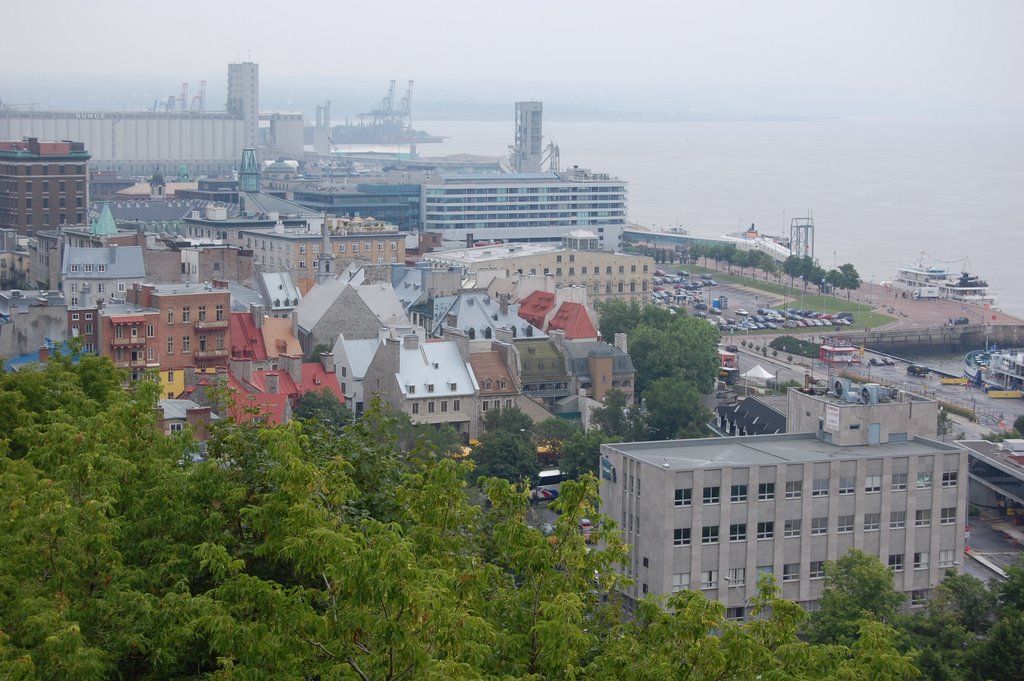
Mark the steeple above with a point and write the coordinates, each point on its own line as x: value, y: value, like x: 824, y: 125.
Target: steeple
x: 249, y: 172
x: 326, y: 258
x: 104, y: 225
x: 157, y: 186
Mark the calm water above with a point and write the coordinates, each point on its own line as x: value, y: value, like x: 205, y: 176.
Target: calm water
x: 881, y: 193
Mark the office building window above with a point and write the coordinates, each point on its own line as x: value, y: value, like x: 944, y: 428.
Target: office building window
x: 918, y: 597
x: 712, y: 495
x: 819, y: 525
x: 846, y: 485
x: 845, y: 524
x: 766, y: 491
x: 738, y: 493
x: 791, y: 528
x: 872, y: 521
x: 680, y: 581
x: 766, y: 529
x: 794, y: 489
x: 896, y: 562
x: 820, y: 488
x: 873, y: 483
x: 923, y: 517
x: 924, y: 480
x: 947, y: 516
x: 737, y: 577
x: 681, y: 536
x: 921, y: 561
x: 949, y: 479
x: 899, y: 482
x: 817, y: 570
x: 709, y: 535
x: 709, y: 579
x: 897, y: 519
x: 791, y: 572
x: 738, y: 532
x: 946, y: 558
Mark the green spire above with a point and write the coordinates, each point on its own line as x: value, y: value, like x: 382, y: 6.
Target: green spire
x: 104, y: 225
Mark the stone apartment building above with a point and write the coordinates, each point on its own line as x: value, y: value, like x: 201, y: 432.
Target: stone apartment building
x: 577, y: 261
x: 712, y: 514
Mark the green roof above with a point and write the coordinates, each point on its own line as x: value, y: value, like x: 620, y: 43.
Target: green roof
x: 104, y: 225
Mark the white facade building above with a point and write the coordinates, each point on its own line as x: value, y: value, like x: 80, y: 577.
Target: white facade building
x: 524, y: 206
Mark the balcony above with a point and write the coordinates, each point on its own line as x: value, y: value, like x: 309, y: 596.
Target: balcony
x: 210, y: 354
x: 211, y: 324
x: 122, y: 342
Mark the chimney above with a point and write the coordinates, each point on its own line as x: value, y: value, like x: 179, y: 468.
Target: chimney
x: 220, y: 283
x: 257, y: 315
x: 241, y: 367
x: 273, y: 383
x: 503, y: 303
x: 44, y: 354
x: 410, y: 342
x: 327, y: 361
x: 293, y: 365
x: 113, y: 253
x: 620, y: 342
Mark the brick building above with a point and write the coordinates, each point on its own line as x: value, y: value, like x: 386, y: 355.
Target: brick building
x: 170, y: 326
x: 43, y: 184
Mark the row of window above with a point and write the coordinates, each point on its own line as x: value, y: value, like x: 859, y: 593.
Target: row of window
x: 433, y: 404
x: 61, y: 186
x: 712, y: 494
x: 44, y: 169
x: 186, y: 314
x: 186, y: 344
x: 61, y: 203
x: 339, y: 246
x: 681, y: 536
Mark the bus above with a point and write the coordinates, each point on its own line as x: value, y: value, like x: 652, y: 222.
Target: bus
x: 547, y: 484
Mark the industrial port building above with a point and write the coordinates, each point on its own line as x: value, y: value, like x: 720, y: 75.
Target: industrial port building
x: 132, y: 142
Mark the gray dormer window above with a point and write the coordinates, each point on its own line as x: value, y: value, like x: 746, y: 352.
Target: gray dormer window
x: 430, y: 387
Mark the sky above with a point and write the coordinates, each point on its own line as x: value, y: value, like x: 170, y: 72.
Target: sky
x: 931, y: 52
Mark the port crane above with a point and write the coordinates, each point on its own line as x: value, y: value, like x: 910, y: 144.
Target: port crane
x: 386, y: 116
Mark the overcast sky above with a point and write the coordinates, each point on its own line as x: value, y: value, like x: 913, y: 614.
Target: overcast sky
x: 965, y: 51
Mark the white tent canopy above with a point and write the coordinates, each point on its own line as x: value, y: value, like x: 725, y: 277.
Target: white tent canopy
x: 758, y: 373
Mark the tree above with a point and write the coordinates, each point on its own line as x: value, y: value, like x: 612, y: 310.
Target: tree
x: 617, y: 418
x: 502, y: 454
x: 551, y: 434
x: 322, y: 405
x: 850, y: 278
x: 674, y: 410
x: 943, y: 423
x: 581, y: 452
x: 857, y: 586
x: 1018, y: 424
x: 513, y: 420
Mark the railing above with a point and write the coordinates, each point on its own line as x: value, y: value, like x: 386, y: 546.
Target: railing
x: 211, y: 324
x: 209, y: 354
x: 120, y: 342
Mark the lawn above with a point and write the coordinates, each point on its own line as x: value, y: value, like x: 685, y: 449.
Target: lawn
x: 864, y: 315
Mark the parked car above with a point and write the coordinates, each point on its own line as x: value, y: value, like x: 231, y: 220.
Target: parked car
x: 961, y: 320
x: 846, y: 315
x: 917, y: 370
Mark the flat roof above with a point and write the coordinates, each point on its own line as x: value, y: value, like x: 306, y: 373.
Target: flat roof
x: 762, y: 450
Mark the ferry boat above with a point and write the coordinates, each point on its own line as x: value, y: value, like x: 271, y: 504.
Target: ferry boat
x: 996, y: 369
x: 960, y: 286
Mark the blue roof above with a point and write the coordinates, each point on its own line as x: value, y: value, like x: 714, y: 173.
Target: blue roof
x: 21, y: 361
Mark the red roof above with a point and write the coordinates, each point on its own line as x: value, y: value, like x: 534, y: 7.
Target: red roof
x: 246, y: 340
x: 127, y: 319
x: 315, y: 378
x: 534, y: 308
x: 572, y: 318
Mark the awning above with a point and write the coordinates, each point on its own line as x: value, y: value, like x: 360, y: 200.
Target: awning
x: 127, y: 319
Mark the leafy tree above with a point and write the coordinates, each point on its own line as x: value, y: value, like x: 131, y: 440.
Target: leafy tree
x: 857, y: 586
x: 1018, y: 424
x: 502, y: 454
x: 581, y: 452
x: 943, y: 423
x: 322, y: 405
x: 513, y: 420
x: 551, y: 435
x: 1002, y: 654
x: 851, y: 280
x: 617, y: 418
x: 314, y: 355
x: 674, y: 410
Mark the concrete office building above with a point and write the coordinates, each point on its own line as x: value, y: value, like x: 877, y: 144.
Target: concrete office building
x: 712, y: 514
x: 524, y: 206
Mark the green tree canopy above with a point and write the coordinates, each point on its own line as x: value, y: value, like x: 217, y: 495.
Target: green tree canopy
x: 674, y: 410
x: 857, y: 586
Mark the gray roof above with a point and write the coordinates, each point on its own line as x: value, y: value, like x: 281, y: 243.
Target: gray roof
x: 358, y: 352
x: 438, y: 364
x: 119, y: 262
x: 242, y: 297
x: 478, y: 311
x: 280, y: 292
x: 254, y: 202
x: 577, y: 352
x: 766, y: 450
x: 156, y: 211
x: 408, y: 284
x: 177, y: 409
x: 319, y: 299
